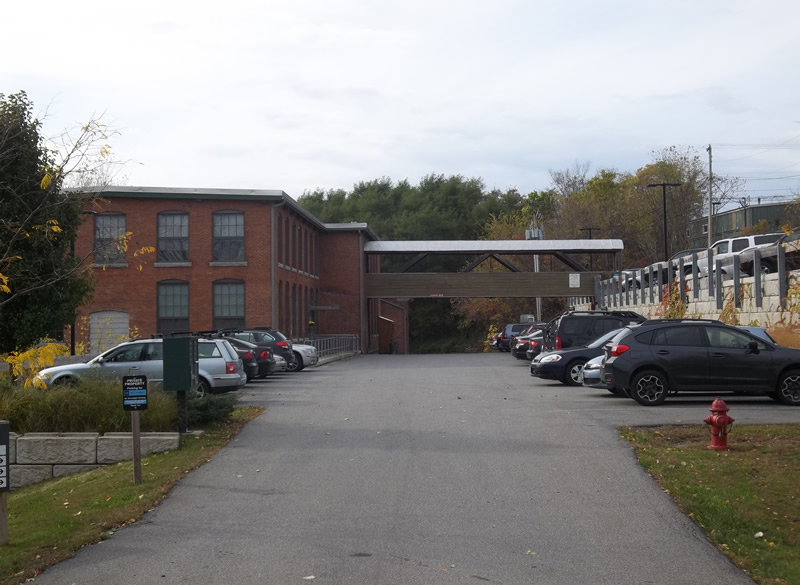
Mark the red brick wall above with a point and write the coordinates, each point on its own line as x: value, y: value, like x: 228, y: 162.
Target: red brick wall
x: 341, y: 284
x: 324, y: 268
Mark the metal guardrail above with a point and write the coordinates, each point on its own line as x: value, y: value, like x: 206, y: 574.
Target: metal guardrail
x: 329, y: 345
x: 649, y: 285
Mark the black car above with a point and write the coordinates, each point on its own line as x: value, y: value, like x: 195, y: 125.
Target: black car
x: 248, y: 361
x: 535, y: 345
x: 265, y: 337
x: 524, y: 343
x: 654, y: 359
x: 566, y: 365
x: 576, y: 328
x: 260, y: 356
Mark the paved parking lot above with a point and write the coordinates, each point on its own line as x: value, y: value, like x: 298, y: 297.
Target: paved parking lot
x: 391, y: 469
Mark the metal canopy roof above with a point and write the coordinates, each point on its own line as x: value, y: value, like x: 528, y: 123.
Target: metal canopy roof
x: 493, y: 246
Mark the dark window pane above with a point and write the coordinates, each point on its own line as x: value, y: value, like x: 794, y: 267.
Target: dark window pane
x: 173, y: 307
x: 109, y: 239
x: 228, y: 245
x: 685, y: 336
x: 173, y: 237
x: 228, y: 304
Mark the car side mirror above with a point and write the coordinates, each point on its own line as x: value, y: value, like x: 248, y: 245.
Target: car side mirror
x: 753, y: 346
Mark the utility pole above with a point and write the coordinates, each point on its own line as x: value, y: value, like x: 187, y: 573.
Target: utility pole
x: 590, y: 230
x: 710, y: 198
x: 664, y: 200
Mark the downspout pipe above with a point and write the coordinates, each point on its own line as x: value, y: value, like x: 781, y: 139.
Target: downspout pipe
x: 274, y: 264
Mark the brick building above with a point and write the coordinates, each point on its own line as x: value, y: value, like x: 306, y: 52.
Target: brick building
x: 199, y: 259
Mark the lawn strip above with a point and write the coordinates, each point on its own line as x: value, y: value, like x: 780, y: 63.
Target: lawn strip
x: 51, y: 520
x: 746, y: 499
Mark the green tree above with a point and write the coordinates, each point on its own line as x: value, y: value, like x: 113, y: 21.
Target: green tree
x: 41, y: 281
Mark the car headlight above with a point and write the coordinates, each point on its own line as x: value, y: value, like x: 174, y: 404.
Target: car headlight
x: 591, y: 367
x: 44, y: 376
x: 550, y: 358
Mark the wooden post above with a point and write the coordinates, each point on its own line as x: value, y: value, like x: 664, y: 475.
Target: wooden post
x: 3, y: 518
x: 137, y: 448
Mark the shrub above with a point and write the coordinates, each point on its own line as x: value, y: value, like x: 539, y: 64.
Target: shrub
x: 96, y: 406
x: 209, y: 408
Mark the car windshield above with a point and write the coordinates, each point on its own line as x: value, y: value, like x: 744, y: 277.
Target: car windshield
x: 604, y: 339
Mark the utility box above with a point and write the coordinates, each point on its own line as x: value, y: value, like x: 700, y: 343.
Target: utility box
x: 180, y: 364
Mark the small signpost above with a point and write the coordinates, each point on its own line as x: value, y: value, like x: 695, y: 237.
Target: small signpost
x: 134, y: 399
x: 5, y: 481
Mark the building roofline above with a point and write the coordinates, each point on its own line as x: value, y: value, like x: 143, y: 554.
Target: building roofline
x: 493, y: 246
x: 274, y: 195
x: 350, y: 227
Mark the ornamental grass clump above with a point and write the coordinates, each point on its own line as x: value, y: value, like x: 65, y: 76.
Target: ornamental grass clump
x: 96, y: 406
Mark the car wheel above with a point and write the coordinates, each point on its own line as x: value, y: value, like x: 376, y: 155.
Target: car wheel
x: 202, y: 389
x: 574, y: 375
x: 297, y: 365
x: 767, y: 267
x: 649, y: 388
x: 789, y: 388
x: 65, y: 382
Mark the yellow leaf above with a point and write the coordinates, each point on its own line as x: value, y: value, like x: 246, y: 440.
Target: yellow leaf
x: 46, y: 180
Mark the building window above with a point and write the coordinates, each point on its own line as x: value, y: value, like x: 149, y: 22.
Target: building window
x: 228, y: 243
x: 228, y: 304
x: 173, y: 237
x: 280, y: 240
x: 294, y: 246
x: 280, y: 305
x: 305, y: 252
x: 286, y: 242
x: 705, y: 228
x: 173, y: 306
x: 293, y: 317
x: 286, y: 308
x: 109, y: 238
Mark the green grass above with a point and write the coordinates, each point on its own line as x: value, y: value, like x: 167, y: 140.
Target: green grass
x: 49, y: 521
x: 734, y: 495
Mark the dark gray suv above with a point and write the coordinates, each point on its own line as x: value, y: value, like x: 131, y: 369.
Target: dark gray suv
x: 654, y: 359
x: 576, y: 328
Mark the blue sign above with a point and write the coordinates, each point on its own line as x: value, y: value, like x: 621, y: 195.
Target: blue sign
x: 134, y: 392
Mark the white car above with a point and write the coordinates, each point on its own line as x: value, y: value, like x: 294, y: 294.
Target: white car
x: 219, y: 366
x: 306, y: 355
x: 280, y: 363
x: 725, y: 250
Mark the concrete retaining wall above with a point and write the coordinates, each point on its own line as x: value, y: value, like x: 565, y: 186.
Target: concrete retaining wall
x: 36, y: 457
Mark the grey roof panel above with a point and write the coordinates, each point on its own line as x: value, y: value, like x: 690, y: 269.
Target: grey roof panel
x: 493, y: 246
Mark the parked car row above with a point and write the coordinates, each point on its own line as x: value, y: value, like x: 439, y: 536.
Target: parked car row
x: 650, y: 360
x: 227, y: 359
x: 724, y: 252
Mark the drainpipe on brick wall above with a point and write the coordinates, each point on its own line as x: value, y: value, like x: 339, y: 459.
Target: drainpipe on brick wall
x: 273, y: 264
x: 362, y: 307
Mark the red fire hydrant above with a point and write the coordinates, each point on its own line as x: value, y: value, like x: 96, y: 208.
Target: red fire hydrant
x: 721, y: 425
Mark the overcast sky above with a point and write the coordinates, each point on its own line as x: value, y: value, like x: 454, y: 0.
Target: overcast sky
x: 305, y: 94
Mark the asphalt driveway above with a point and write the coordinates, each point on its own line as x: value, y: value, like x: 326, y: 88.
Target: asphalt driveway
x: 419, y: 470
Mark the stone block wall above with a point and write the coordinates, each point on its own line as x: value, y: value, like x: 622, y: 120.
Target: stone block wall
x: 36, y: 457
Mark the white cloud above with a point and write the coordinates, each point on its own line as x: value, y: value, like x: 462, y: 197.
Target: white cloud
x: 308, y: 94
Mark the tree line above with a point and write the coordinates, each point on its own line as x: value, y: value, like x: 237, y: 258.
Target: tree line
x: 608, y: 204
x: 42, y: 283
